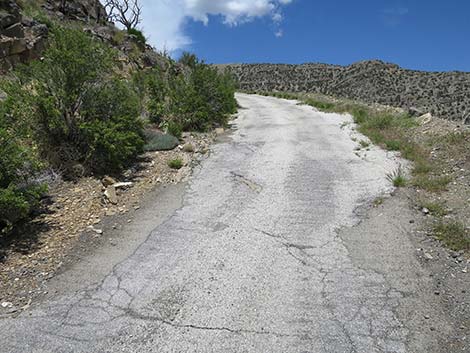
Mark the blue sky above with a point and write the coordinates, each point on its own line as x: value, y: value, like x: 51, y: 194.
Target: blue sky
x: 416, y: 34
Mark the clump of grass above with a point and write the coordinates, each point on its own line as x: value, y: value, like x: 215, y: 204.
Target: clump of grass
x: 453, y: 234
x: 176, y: 163
x: 378, y: 201
x: 435, y: 208
x: 432, y: 183
x: 393, y: 145
x: 397, y: 177
x: 189, y: 148
x: 364, y: 143
x: 158, y: 141
x: 321, y: 105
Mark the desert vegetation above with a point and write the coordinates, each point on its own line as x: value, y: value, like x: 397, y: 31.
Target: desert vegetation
x: 430, y: 174
x: 77, y: 113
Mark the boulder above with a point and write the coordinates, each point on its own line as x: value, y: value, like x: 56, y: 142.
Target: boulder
x: 14, y: 31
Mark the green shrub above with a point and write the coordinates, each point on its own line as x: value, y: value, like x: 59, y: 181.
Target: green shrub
x: 112, y: 132
x: 139, y: 35
x: 397, y: 177
x: 77, y: 112
x: 157, y: 141
x: 18, y: 193
x: 203, y: 98
x: 157, y: 89
x: 176, y: 163
x: 432, y: 183
x: 173, y: 128
x: 454, y: 235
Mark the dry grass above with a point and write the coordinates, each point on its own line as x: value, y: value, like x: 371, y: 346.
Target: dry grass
x: 435, y: 153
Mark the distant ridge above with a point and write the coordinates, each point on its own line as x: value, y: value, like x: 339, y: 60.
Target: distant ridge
x: 444, y: 94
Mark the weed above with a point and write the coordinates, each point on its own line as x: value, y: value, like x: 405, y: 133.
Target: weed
x: 397, y: 177
x: 453, y: 234
x: 189, y: 148
x: 138, y: 35
x: 431, y: 183
x: 378, y: 201
x: 364, y: 143
x: 393, y: 145
x: 119, y: 37
x: 176, y: 163
x: 435, y: 208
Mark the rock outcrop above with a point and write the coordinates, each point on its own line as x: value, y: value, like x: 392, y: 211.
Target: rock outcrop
x: 443, y: 94
x: 77, y: 10
x: 21, y: 39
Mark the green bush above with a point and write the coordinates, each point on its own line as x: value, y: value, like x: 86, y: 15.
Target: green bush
x: 157, y: 141
x: 157, y: 89
x: 18, y: 193
x: 176, y: 163
x: 111, y: 130
x: 77, y: 112
x: 174, y: 128
x: 203, y: 98
x: 139, y: 35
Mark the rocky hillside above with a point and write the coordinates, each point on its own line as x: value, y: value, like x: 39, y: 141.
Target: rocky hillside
x: 444, y: 94
x: 24, y: 30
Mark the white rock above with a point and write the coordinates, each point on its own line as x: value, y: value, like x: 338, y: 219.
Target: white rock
x: 123, y: 185
x: 7, y: 305
x: 110, y: 194
x: 97, y: 231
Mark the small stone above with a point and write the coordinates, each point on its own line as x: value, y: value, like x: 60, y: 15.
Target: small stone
x: 110, y: 194
x: 428, y: 256
x: 427, y: 317
x: 7, y: 305
x: 219, y: 131
x: 425, y: 210
x: 97, y: 231
x: 110, y: 213
x: 107, y: 181
x: 123, y: 185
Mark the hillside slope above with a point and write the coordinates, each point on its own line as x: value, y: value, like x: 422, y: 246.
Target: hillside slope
x: 444, y: 94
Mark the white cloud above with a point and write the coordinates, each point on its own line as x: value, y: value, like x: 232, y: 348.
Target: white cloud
x: 164, y: 20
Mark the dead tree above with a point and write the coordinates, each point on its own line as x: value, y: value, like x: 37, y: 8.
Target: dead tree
x: 126, y: 12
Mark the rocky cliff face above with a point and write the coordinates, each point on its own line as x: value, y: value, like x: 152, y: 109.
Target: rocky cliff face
x: 444, y: 94
x: 21, y: 39
x: 78, y: 10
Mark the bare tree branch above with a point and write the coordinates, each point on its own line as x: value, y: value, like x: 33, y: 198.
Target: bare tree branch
x: 126, y: 12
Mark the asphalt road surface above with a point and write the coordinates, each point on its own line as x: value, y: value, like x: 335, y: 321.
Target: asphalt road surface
x: 270, y: 251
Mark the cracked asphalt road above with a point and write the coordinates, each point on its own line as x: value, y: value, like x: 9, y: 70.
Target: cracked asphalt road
x: 269, y: 252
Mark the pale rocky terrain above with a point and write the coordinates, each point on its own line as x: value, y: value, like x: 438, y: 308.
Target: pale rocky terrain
x: 443, y: 94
